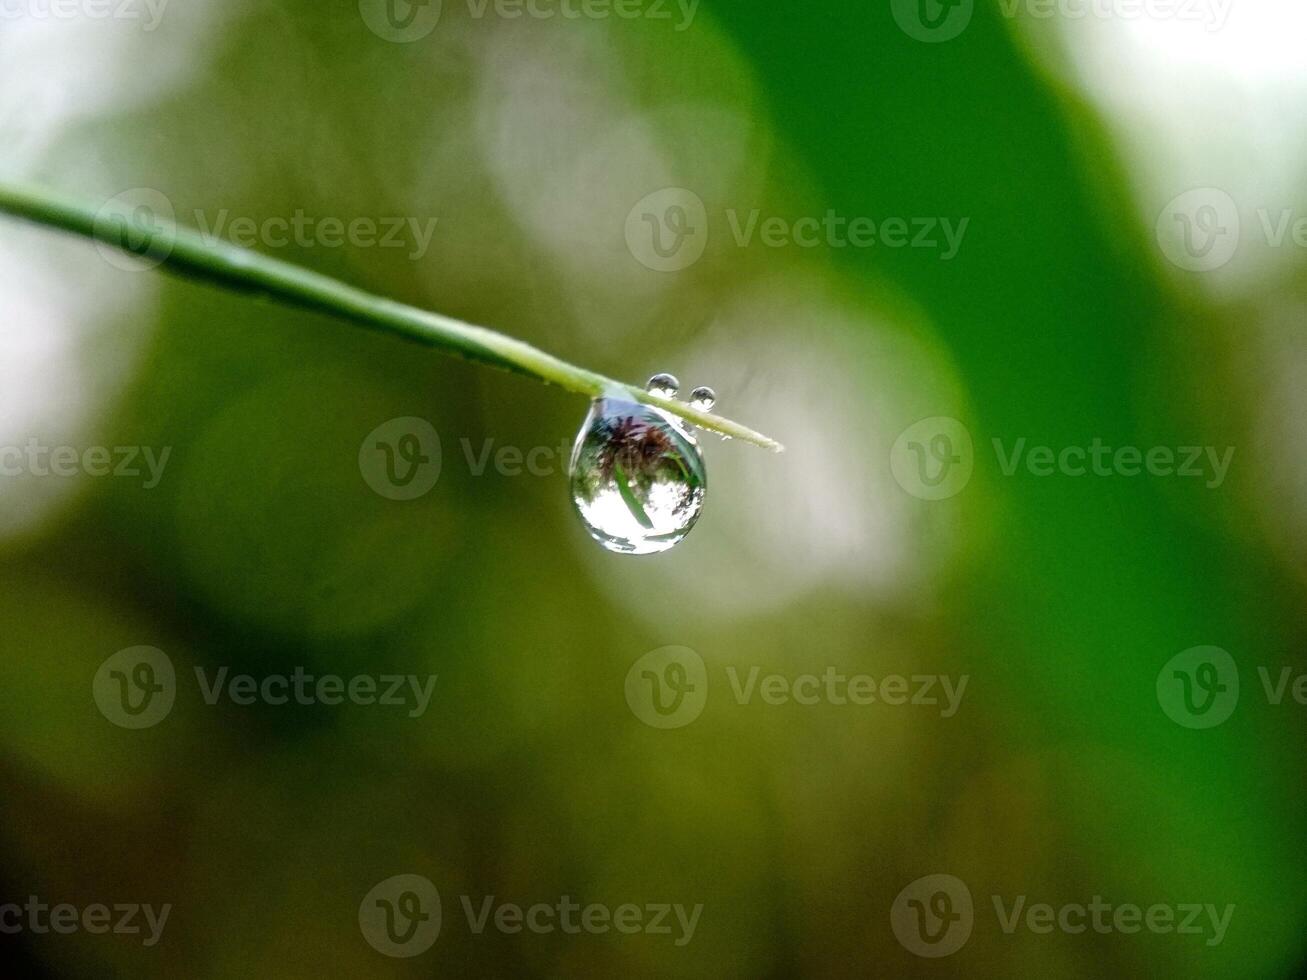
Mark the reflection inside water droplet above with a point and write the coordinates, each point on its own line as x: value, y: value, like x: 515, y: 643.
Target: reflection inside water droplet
x: 663, y: 384
x: 638, y: 479
x: 703, y: 398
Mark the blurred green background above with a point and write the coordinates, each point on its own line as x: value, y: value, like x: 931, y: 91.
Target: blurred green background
x: 1064, y: 315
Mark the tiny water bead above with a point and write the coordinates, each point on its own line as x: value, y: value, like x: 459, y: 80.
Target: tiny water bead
x: 663, y: 384
x: 703, y: 398
x: 638, y: 479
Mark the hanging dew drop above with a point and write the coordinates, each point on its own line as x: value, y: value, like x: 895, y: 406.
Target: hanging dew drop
x: 638, y: 479
x: 663, y: 384
x: 703, y: 398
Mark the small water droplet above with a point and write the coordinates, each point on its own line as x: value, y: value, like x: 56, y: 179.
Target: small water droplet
x: 638, y: 479
x: 663, y: 384
x: 703, y: 398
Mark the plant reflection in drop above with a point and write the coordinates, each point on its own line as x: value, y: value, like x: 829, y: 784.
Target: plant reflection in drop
x: 638, y: 479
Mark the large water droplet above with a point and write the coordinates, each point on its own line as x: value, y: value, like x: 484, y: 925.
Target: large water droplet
x: 638, y: 479
x: 703, y: 398
x: 663, y: 384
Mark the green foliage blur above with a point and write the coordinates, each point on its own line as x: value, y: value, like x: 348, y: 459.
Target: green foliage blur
x: 264, y: 549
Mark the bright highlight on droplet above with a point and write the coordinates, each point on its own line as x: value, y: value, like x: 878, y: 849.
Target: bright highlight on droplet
x: 638, y: 479
x: 703, y: 398
x: 663, y: 384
